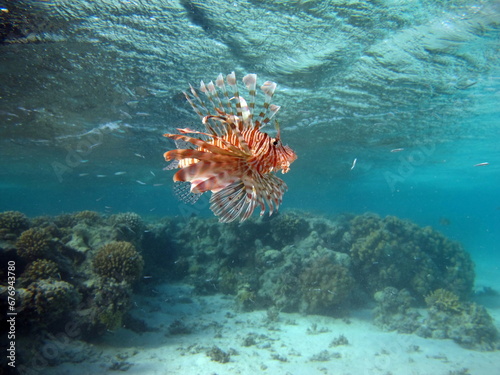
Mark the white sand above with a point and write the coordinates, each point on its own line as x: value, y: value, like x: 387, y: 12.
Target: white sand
x: 282, y: 347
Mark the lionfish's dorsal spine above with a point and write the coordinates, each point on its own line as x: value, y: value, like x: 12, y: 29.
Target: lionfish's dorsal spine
x: 250, y: 81
x: 227, y: 100
x: 269, y: 110
x: 231, y: 81
x: 220, y: 84
x: 193, y: 104
x: 209, y: 94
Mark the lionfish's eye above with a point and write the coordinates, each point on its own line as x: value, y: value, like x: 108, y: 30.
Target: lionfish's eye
x: 276, y: 142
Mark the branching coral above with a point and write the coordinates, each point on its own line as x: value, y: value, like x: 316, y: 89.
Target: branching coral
x: 33, y: 244
x: 12, y: 223
x: 444, y: 300
x: 129, y: 225
x: 39, y: 270
x: 120, y: 261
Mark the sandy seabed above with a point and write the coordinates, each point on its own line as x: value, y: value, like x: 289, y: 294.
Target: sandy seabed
x: 186, y: 329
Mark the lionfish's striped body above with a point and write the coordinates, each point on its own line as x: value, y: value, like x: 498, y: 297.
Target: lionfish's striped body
x: 234, y: 159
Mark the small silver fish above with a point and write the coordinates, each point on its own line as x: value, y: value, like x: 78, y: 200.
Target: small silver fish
x: 354, y: 163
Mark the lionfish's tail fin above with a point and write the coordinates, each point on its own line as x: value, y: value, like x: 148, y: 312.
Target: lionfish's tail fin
x: 269, y: 110
x: 250, y: 81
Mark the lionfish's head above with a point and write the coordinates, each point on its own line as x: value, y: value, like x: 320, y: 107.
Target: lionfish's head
x: 285, y: 155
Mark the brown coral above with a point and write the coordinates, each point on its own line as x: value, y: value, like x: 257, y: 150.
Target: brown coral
x: 129, y: 219
x: 129, y: 226
x: 47, y: 300
x: 88, y: 217
x: 12, y: 223
x: 33, y: 244
x: 112, y: 301
x: 324, y: 285
x: 444, y: 300
x: 118, y: 260
x: 398, y: 253
x: 40, y: 269
x: 287, y: 228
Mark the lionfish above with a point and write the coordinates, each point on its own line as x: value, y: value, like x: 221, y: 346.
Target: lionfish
x: 234, y: 159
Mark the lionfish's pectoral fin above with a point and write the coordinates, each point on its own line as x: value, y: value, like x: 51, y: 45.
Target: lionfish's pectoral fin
x: 232, y: 203
x: 270, y: 192
x: 238, y: 200
x: 182, y: 190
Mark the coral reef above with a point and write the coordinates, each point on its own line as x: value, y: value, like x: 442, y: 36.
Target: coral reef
x: 46, y: 301
x: 324, y: 285
x: 33, y: 244
x: 129, y: 226
x: 466, y: 323
x: 12, y: 223
x: 394, y: 311
x: 88, y: 217
x: 118, y: 260
x: 84, y: 266
x: 394, y: 252
x: 111, y: 303
x: 287, y: 228
x: 40, y: 269
x: 444, y: 300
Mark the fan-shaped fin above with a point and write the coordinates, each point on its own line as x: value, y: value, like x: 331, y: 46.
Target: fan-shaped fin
x: 182, y: 190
